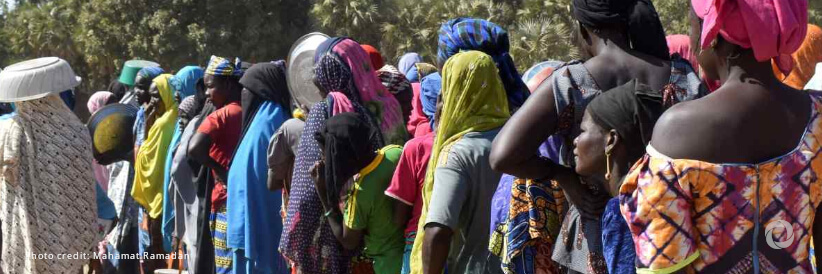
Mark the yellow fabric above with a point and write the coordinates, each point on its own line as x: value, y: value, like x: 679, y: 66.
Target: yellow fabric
x: 674, y: 268
x: 151, y: 158
x: 474, y: 100
x: 804, y: 60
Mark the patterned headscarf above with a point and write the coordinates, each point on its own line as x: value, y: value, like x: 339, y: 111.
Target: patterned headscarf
x: 393, y: 80
x: 150, y: 72
x: 473, y: 101
x: 463, y: 34
x: 773, y: 29
x: 354, y: 76
x: 220, y: 66
x: 189, y: 108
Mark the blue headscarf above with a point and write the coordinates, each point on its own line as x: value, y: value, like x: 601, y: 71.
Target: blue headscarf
x: 430, y: 88
x: 185, y: 81
x: 476, y: 34
x: 150, y: 72
x: 407, y: 63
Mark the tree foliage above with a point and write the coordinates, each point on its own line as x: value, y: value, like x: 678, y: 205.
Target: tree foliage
x: 97, y: 36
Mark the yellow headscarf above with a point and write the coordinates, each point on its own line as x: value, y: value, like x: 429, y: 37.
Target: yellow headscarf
x: 804, y: 60
x: 151, y: 158
x: 473, y: 101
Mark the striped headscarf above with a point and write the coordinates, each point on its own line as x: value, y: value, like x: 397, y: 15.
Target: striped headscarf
x: 473, y: 101
x: 464, y: 34
x: 220, y: 66
x: 393, y: 80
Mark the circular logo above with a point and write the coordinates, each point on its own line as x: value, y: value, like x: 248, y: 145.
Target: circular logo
x: 787, y: 235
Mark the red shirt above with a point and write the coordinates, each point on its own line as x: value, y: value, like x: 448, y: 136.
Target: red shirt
x: 406, y: 185
x: 224, y: 127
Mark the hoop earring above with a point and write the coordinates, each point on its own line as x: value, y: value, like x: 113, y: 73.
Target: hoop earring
x: 608, y: 165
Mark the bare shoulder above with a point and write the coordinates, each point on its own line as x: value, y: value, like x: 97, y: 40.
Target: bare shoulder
x: 681, y: 131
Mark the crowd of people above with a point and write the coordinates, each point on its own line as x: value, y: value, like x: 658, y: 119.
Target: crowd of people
x: 655, y: 153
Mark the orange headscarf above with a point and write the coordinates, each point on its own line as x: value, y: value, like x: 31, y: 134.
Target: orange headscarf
x: 804, y: 59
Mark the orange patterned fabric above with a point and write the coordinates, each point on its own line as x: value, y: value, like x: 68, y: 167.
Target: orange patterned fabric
x: 715, y: 218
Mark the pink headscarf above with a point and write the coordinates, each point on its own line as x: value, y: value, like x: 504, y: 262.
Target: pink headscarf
x: 372, y: 93
x: 772, y: 28
x: 341, y: 103
x: 97, y: 101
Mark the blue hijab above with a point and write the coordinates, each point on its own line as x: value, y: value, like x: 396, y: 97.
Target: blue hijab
x: 430, y: 88
x: 253, y: 210
x: 185, y: 81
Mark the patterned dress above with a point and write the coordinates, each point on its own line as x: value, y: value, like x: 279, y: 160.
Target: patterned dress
x: 726, y: 218
x: 578, y: 247
x: 47, y: 201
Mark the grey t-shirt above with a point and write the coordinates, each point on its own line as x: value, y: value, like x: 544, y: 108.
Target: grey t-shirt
x: 461, y: 200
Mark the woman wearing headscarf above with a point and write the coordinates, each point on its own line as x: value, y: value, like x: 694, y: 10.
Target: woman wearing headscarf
x: 804, y: 59
x: 188, y: 200
x: 375, y: 56
x: 720, y: 196
x: 142, y: 83
x: 627, y: 33
x: 476, y: 34
x: 150, y: 167
x: 97, y: 101
x: 254, y: 212
x: 214, y: 143
x: 615, y: 130
x: 46, y: 208
x: 406, y: 185
x: 396, y: 83
x: 418, y: 117
x: 349, y: 156
x: 184, y: 84
x: 105, y: 208
x: 459, y: 183
x: 407, y: 66
x: 345, y: 77
x: 525, y: 214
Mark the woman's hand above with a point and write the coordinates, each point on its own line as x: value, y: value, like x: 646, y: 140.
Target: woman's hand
x: 590, y: 203
x: 318, y: 174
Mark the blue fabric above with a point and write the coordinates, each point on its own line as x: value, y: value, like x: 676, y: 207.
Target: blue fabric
x: 407, y: 62
x: 476, y: 34
x: 105, y: 207
x: 430, y: 88
x: 413, y: 75
x: 185, y: 81
x: 253, y: 210
x: 68, y: 98
x: 168, y: 203
x: 617, y: 244
x: 140, y: 127
x: 150, y: 72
